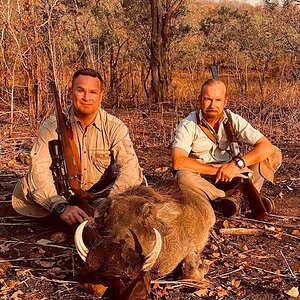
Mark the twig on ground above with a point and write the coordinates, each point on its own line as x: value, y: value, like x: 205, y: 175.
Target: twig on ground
x: 189, y: 283
x: 228, y: 273
x: 44, y: 245
x: 244, y: 219
x: 266, y: 271
x: 286, y: 262
x: 284, y: 217
x: 33, y: 259
x: 241, y: 231
x: 20, y: 224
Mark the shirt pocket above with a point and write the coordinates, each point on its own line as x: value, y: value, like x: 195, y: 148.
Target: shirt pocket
x: 102, y: 160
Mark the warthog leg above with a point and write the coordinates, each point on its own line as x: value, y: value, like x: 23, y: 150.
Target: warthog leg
x: 192, y: 267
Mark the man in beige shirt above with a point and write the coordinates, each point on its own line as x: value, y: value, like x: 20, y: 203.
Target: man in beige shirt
x: 201, y: 152
x: 103, y: 144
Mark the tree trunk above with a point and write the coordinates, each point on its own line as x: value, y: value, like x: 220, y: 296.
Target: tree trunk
x: 159, y: 53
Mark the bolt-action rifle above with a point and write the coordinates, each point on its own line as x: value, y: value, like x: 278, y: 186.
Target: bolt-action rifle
x: 257, y: 207
x: 66, y: 166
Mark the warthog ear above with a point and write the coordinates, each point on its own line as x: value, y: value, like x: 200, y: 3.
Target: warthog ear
x: 147, y: 210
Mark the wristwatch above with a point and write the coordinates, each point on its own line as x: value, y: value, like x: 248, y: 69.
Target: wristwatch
x: 239, y: 162
x: 60, y: 207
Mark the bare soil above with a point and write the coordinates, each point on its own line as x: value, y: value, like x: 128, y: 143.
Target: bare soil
x: 41, y: 262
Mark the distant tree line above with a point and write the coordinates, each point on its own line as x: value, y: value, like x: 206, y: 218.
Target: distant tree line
x: 148, y: 51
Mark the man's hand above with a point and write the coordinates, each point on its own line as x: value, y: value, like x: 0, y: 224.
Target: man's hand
x: 229, y: 171
x: 73, y: 214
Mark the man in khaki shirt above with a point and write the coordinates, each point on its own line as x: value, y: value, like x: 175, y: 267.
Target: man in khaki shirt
x: 201, y: 152
x: 103, y: 144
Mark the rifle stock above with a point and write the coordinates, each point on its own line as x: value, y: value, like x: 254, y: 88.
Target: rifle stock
x: 257, y: 207
x: 70, y: 154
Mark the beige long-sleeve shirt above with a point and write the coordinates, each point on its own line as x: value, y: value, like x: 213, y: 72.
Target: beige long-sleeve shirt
x: 104, y: 141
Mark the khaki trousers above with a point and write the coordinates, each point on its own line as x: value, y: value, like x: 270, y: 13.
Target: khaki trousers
x: 204, y: 185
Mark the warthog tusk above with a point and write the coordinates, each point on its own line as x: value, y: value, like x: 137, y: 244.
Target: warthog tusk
x: 153, y: 255
x: 79, y: 244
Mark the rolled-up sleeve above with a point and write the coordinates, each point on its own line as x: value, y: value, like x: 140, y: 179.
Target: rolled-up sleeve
x: 184, y: 136
x: 39, y: 178
x: 246, y: 133
x: 129, y: 172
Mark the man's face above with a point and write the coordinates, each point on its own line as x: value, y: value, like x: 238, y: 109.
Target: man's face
x: 213, y: 101
x: 86, y: 96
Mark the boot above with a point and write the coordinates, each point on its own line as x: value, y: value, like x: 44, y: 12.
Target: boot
x: 229, y: 206
x: 268, y: 203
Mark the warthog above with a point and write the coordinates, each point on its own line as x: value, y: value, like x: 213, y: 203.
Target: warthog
x: 144, y: 234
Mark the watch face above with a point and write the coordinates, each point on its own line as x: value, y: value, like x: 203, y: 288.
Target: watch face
x: 240, y: 163
x: 60, y: 208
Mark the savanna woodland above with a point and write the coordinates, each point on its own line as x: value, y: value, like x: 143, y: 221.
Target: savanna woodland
x: 153, y: 55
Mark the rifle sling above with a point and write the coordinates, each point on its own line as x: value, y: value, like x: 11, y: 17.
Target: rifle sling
x: 205, y: 129
x: 228, y: 126
x: 74, y: 146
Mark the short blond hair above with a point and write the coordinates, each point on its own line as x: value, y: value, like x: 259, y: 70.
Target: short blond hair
x: 210, y: 82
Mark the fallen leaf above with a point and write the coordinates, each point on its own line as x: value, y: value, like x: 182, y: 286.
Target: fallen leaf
x: 156, y: 285
x: 216, y: 254
x: 293, y: 292
x: 45, y: 264
x: 201, y: 292
x: 222, y: 292
x: 208, y: 262
x: 241, y: 291
x: 11, y: 163
x: 235, y: 283
x: 277, y: 279
x: 241, y: 255
x: 53, y: 272
x: 162, y: 169
x: 58, y: 237
x: 3, y: 248
x: 245, y: 248
x: 226, y: 224
x: 213, y: 247
x: 271, y: 228
x: 43, y: 242
x: 296, y: 232
x: 278, y: 236
x: 11, y: 284
x: 203, y: 284
x: 37, y: 252
x: 16, y: 295
x: 95, y: 289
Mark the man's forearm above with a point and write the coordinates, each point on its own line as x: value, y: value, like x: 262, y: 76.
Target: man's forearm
x: 260, y: 152
x: 187, y: 163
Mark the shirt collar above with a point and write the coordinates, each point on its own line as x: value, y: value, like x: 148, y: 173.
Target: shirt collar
x: 96, y: 123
